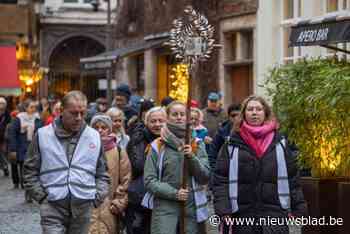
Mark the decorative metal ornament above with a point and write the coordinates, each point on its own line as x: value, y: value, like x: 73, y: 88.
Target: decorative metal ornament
x: 191, y: 38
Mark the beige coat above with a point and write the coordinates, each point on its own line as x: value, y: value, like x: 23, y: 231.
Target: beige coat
x: 119, y: 169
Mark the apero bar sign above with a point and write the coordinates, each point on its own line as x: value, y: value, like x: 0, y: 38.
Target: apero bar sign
x: 313, y: 35
x: 324, y: 33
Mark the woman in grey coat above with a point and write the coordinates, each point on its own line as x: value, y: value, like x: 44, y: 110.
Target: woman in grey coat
x: 162, y: 176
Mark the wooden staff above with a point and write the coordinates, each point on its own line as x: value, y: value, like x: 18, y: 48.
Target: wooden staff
x: 188, y: 136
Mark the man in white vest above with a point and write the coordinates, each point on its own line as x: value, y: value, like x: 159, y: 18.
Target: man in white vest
x: 65, y: 170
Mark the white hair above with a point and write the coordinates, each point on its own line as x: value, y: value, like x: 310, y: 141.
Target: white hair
x: 3, y: 101
x: 153, y: 110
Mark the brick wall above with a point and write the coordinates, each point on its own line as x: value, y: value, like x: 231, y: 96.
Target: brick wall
x: 13, y: 20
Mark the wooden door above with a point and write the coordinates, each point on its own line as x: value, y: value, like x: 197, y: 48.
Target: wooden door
x: 241, y: 82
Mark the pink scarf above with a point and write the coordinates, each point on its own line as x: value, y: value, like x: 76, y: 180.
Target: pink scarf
x: 109, y: 142
x: 258, y: 138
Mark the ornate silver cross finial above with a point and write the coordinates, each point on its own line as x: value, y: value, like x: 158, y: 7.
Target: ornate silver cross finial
x: 191, y: 38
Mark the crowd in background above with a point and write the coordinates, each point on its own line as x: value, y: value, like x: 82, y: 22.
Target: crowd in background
x: 141, y: 132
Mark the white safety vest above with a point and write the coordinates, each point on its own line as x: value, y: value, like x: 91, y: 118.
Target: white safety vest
x: 58, y: 176
x: 200, y: 196
x: 282, y: 177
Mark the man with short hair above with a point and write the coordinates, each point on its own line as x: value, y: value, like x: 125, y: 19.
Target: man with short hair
x: 5, y: 119
x: 223, y: 133
x: 65, y: 170
x: 121, y: 100
x: 213, y: 115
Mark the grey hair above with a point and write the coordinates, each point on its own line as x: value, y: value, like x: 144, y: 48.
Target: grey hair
x: 76, y: 95
x: 3, y: 101
x: 115, y: 111
x: 153, y: 110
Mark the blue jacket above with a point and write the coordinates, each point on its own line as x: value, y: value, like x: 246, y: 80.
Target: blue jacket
x: 18, y: 141
x: 201, y: 133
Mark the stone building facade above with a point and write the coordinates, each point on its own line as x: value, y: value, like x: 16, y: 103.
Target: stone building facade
x: 148, y: 71
x: 70, y: 30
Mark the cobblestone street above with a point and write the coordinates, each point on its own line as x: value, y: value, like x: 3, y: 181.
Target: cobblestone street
x: 18, y: 217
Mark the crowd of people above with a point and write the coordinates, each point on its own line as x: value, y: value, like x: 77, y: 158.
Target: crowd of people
x: 95, y: 168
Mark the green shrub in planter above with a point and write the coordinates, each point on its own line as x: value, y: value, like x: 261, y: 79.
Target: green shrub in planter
x: 311, y: 99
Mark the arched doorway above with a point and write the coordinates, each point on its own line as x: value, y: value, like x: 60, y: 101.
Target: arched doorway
x: 64, y: 63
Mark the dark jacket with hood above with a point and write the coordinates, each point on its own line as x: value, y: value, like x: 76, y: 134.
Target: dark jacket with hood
x: 138, y: 143
x: 257, y: 181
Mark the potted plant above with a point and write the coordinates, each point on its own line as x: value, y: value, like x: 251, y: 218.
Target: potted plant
x: 311, y: 99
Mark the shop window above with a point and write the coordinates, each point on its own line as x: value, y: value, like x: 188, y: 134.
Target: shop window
x: 140, y: 76
x: 241, y: 45
x: 291, y: 11
x: 234, y: 46
x: 288, y: 7
x: 332, y: 5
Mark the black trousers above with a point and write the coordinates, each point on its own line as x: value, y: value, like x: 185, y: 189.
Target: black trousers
x: 137, y: 220
x: 3, y: 161
x: 17, y: 173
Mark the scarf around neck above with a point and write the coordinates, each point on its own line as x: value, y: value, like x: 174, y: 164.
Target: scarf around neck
x: 174, y: 134
x: 109, y: 142
x: 258, y: 138
x: 27, y: 123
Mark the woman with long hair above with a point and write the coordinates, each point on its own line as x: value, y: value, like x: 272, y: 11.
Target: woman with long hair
x: 118, y: 119
x: 256, y: 175
x: 20, y: 135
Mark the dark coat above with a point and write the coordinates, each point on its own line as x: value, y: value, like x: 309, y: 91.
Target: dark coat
x: 17, y: 141
x: 257, y: 182
x: 5, y: 119
x: 212, y: 120
x: 129, y: 112
x: 139, y: 140
x: 222, y: 134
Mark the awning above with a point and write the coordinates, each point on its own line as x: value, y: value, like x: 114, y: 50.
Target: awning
x: 328, y: 29
x: 9, y: 82
x: 105, y: 60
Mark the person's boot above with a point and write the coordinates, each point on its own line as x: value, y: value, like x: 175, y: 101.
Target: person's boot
x: 16, y: 186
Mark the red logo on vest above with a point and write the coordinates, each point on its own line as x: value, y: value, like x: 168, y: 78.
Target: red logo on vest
x: 92, y: 146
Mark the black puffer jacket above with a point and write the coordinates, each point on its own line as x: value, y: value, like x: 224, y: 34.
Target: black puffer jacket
x: 136, y: 152
x: 257, y: 182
